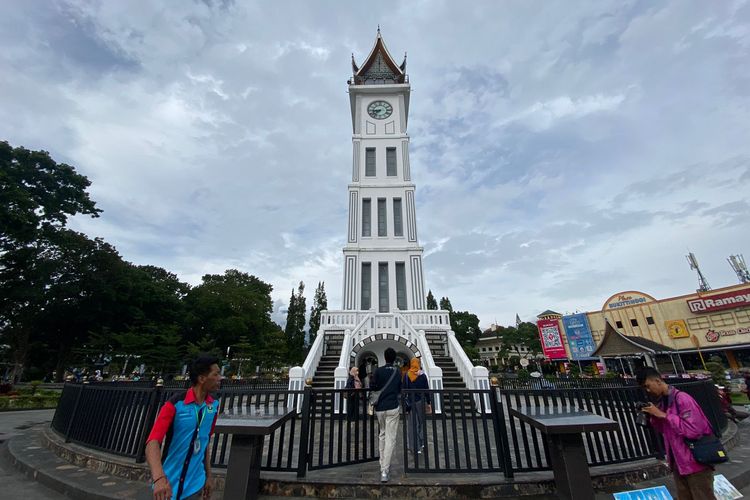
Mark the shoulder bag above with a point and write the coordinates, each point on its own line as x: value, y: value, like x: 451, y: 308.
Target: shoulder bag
x: 706, y: 450
x: 375, y: 395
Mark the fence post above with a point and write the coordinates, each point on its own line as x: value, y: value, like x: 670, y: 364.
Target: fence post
x: 304, y: 433
x: 153, y: 405
x: 501, y: 432
x: 711, y: 398
x: 75, y: 412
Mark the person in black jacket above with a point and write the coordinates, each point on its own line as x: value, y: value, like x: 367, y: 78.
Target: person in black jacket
x: 354, y: 396
x: 387, y: 380
x: 417, y: 403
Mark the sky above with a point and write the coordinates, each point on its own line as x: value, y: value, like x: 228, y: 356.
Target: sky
x: 562, y: 151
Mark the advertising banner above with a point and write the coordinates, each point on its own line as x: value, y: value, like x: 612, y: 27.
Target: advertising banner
x: 729, y: 300
x: 549, y: 334
x: 580, y: 341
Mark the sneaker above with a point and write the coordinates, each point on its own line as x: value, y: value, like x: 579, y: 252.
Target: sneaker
x: 384, y: 477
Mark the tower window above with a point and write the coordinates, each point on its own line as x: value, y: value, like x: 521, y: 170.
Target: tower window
x: 649, y: 320
x: 400, y: 285
x: 390, y: 161
x: 370, y: 162
x: 633, y: 322
x: 382, y: 223
x: 618, y: 324
x: 366, y: 286
x: 383, y: 287
x: 366, y: 217
x: 398, y: 224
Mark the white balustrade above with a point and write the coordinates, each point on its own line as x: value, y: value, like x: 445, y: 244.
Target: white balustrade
x: 475, y: 377
x: 428, y: 320
x: 299, y: 374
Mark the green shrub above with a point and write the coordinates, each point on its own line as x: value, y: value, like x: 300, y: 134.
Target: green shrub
x: 717, y: 372
x: 28, y: 402
x: 35, y: 385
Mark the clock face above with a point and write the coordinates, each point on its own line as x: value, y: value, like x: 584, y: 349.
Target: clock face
x: 379, y: 110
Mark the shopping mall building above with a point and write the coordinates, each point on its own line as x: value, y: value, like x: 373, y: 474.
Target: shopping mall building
x: 716, y: 322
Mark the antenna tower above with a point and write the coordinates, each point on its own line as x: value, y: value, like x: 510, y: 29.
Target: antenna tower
x: 740, y: 269
x: 703, y: 285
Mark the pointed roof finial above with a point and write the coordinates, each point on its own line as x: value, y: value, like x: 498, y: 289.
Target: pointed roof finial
x: 378, y: 29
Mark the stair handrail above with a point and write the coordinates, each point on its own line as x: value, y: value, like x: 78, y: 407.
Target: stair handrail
x: 298, y: 375
x: 475, y: 377
x: 341, y: 373
x: 358, y: 327
x: 433, y: 371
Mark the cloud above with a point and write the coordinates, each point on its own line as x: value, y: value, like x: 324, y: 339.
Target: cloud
x: 561, y: 153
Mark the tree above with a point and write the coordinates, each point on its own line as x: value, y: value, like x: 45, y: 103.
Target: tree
x: 243, y: 353
x: 320, y: 303
x: 295, y: 325
x: 526, y: 335
x: 445, y: 304
x: 37, y: 196
x: 228, y: 306
x: 431, y: 302
x: 206, y: 344
x: 114, y: 310
x: 466, y: 327
x: 472, y: 353
x: 273, y: 353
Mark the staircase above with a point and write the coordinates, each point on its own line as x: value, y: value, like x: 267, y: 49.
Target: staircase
x: 323, y: 378
x: 452, y: 380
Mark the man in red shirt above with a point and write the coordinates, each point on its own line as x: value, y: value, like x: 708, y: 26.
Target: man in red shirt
x: 182, y: 469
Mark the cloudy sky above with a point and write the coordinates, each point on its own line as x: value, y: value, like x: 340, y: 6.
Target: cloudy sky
x: 562, y: 151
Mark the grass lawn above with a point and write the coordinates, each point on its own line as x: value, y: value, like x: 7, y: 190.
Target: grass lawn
x: 739, y: 398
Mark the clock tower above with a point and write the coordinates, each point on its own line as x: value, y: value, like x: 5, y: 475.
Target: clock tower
x: 383, y: 300
x: 382, y: 257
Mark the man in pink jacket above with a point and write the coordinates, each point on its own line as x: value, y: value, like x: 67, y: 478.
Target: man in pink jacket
x: 677, y: 416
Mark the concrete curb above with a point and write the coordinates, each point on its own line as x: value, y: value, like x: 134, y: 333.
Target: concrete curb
x: 55, y: 482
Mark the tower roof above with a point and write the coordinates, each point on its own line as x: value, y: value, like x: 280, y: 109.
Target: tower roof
x: 379, y: 66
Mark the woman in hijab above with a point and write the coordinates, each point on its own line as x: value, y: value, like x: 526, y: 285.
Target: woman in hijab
x: 417, y: 404
x: 354, y: 397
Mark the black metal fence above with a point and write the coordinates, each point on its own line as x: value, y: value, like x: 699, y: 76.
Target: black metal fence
x: 249, y: 383
x: 471, y: 431
x: 562, y: 383
x: 527, y: 446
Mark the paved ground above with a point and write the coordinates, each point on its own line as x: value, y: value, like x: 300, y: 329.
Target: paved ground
x: 16, y: 485
x: 15, y: 422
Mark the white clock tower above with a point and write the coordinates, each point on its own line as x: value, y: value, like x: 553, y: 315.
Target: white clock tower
x: 383, y: 301
x: 382, y: 258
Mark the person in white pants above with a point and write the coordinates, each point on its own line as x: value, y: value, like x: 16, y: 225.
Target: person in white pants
x: 387, y: 409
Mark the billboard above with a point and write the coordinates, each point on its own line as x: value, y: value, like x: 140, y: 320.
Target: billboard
x: 580, y: 341
x: 729, y: 300
x: 549, y: 334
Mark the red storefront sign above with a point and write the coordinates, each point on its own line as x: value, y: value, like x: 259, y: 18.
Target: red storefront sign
x: 552, y: 343
x: 738, y: 298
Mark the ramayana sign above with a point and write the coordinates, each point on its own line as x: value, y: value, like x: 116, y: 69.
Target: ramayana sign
x: 729, y: 300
